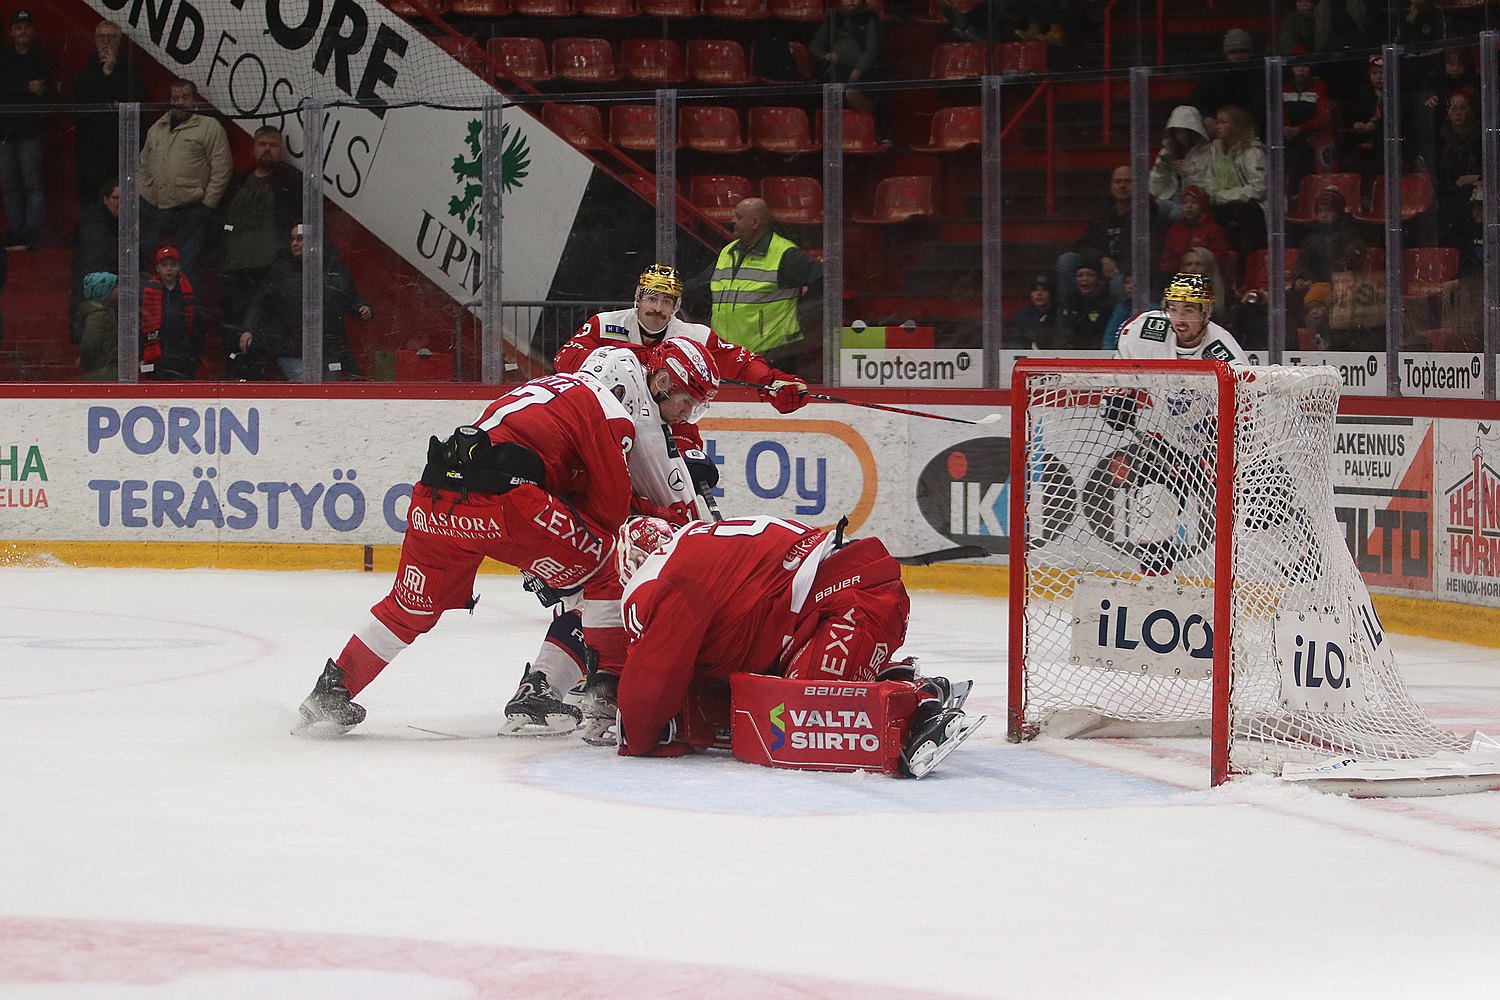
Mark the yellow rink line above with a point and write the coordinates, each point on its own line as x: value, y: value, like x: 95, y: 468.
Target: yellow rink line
x: 1467, y: 623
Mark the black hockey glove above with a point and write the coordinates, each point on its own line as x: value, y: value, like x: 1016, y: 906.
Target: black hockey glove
x: 704, y: 471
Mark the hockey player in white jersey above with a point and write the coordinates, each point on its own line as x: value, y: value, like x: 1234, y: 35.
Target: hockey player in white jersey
x: 1181, y: 329
x: 673, y: 385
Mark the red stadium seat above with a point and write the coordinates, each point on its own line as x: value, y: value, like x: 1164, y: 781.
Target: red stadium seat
x: 669, y: 8
x: 1257, y: 269
x: 710, y: 128
x: 715, y: 195
x: 1315, y: 184
x: 1428, y: 269
x: 522, y: 59
x: 652, y: 60
x: 645, y: 186
x: 580, y: 124
x: 584, y: 60
x: 808, y: 11
x: 781, y: 130
x: 608, y: 8
x: 736, y: 10
x: 954, y: 128
x: 794, y: 199
x: 957, y: 60
x: 720, y: 62
x: 544, y: 8
x: 859, y: 132
x: 633, y: 126
x: 1416, y: 198
x: 1021, y: 57
x: 1441, y: 339
x: 801, y: 59
x: 481, y: 8
x: 900, y: 198
x: 404, y: 8
x: 933, y: 13
x: 467, y: 53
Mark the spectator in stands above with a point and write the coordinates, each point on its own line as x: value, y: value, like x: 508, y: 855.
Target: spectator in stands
x: 1421, y: 23
x: 185, y: 167
x: 758, y: 284
x: 1314, y: 317
x: 96, y: 245
x: 1196, y: 228
x: 261, y: 205
x: 99, y: 320
x: 1460, y: 163
x: 1334, y: 236
x: 25, y: 78
x: 108, y: 78
x: 1462, y: 305
x: 1299, y: 30
x: 848, y: 45
x: 1035, y: 327
x: 1237, y: 184
x: 171, y: 343
x: 1085, y: 316
x: 1185, y: 159
x: 1107, y: 240
x: 1239, y: 82
x: 1429, y: 105
x: 1360, y: 145
x: 1201, y: 260
x: 1356, y: 311
x: 1307, y: 118
x: 273, y: 322
x: 1052, y: 21
x: 1124, y: 310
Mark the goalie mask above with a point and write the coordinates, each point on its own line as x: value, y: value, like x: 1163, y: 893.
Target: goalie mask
x: 693, y: 374
x: 638, y: 538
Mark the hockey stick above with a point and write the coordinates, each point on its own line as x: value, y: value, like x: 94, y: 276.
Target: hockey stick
x: 991, y: 418
x: 943, y: 555
x: 707, y: 493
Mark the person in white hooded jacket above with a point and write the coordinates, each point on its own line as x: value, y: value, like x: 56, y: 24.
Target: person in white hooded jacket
x: 1185, y: 159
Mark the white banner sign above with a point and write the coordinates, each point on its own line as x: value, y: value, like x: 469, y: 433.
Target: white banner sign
x: 918, y: 369
x: 409, y: 175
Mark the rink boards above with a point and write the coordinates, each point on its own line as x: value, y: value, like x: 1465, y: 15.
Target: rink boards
x: 320, y: 476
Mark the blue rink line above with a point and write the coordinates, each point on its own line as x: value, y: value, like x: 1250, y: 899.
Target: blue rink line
x: 979, y: 779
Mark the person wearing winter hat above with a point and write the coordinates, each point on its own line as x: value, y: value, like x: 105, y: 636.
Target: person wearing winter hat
x: 1034, y: 328
x: 1238, y: 81
x: 1333, y: 237
x: 99, y: 321
x: 1196, y: 228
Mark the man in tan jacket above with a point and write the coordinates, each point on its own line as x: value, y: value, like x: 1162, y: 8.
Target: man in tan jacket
x: 185, y: 167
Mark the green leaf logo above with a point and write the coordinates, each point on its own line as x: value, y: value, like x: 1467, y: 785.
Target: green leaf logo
x: 515, y: 164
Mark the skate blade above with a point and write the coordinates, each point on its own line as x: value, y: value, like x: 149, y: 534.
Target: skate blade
x: 558, y: 724
x: 929, y: 756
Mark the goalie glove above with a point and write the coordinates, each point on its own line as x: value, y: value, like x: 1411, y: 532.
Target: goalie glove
x: 786, y: 394
x: 704, y: 470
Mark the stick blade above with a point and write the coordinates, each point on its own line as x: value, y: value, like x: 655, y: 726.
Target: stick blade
x: 943, y: 555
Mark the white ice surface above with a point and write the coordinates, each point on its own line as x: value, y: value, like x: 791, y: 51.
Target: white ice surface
x: 163, y: 836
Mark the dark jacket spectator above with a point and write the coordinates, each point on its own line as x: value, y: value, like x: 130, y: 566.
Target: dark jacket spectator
x: 1106, y: 241
x: 108, y: 78
x: 1035, y: 327
x: 1332, y: 238
x: 96, y: 246
x: 1086, y: 317
x: 25, y: 83
x: 1238, y: 81
x: 261, y: 205
x: 170, y: 341
x: 1460, y: 161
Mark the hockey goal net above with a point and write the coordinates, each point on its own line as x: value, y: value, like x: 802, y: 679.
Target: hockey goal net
x: 1176, y: 568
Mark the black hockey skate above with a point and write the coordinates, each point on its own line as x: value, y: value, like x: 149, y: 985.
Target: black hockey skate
x: 936, y: 732
x: 328, y: 711
x: 536, y: 709
x: 600, y: 709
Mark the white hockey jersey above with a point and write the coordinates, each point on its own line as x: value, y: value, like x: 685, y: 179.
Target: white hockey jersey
x: 1150, y: 336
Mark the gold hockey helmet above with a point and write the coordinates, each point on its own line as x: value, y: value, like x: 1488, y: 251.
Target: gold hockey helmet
x: 1186, y: 287
x: 661, y: 278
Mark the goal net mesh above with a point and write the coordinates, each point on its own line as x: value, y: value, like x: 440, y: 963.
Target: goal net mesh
x: 1117, y: 595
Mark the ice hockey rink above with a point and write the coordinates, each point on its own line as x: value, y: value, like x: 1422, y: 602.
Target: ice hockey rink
x: 163, y: 836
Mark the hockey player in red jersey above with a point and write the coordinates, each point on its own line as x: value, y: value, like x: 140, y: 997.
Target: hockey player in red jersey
x: 674, y: 383
x: 539, y: 481
x: 653, y: 319
x: 780, y: 634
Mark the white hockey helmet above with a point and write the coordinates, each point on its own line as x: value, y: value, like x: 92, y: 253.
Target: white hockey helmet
x: 621, y: 372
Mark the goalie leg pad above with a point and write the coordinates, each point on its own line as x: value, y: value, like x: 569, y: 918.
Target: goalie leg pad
x: 824, y: 726
x: 855, y: 618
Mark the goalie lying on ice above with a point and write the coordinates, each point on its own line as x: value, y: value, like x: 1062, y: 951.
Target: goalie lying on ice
x: 774, y: 638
